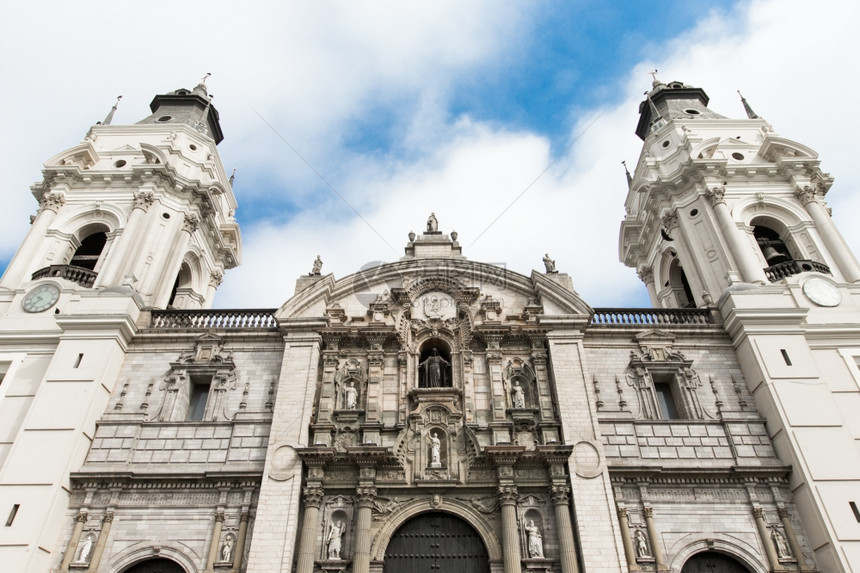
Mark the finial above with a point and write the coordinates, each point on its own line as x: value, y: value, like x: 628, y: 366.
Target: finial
x: 629, y: 177
x: 654, y: 81
x: 232, y: 177
x: 109, y: 117
x: 750, y: 113
x: 206, y: 77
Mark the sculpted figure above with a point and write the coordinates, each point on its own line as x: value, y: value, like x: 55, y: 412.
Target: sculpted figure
x: 432, y: 223
x: 335, y: 535
x: 317, y: 266
x: 549, y: 264
x: 85, y: 550
x: 779, y: 541
x: 433, y: 370
x: 350, y: 396
x: 227, y: 549
x: 435, y: 449
x: 535, y: 539
x: 518, y: 397
x: 642, y: 544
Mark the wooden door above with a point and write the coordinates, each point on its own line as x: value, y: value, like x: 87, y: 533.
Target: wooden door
x: 713, y: 562
x: 436, y: 543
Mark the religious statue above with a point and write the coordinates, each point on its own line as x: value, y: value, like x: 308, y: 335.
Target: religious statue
x: 432, y: 223
x: 782, y: 549
x: 549, y: 264
x: 317, y: 266
x: 435, y: 450
x: 335, y: 534
x: 518, y: 397
x: 641, y: 544
x: 350, y: 396
x: 227, y: 550
x: 85, y: 550
x: 535, y: 539
x: 433, y: 370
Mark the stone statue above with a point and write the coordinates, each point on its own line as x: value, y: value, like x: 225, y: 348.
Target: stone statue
x: 85, y: 550
x: 435, y: 450
x: 350, y: 396
x: 335, y: 535
x: 433, y: 370
x: 227, y: 550
x: 782, y: 549
x: 432, y: 223
x: 641, y: 544
x: 535, y: 539
x: 317, y: 266
x: 549, y: 264
x: 518, y: 397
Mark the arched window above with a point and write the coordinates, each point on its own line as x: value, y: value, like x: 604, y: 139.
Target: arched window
x: 183, y: 281
x: 434, y: 365
x: 87, y: 255
x: 773, y: 248
x: 677, y: 281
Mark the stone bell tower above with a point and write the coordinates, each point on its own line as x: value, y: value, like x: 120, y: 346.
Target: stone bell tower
x: 727, y: 214
x: 135, y: 217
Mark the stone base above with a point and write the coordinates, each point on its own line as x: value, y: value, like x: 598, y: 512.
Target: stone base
x: 537, y: 565
x: 334, y: 565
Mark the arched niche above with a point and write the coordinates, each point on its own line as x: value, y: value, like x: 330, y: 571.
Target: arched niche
x: 434, y: 364
x: 674, y: 287
x: 186, y: 289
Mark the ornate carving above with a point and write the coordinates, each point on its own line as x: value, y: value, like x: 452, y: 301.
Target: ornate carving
x: 216, y: 277
x: 143, y: 200
x: 508, y: 494
x: 53, y: 200
x: 716, y: 195
x: 646, y: 275
x: 560, y: 494
x: 313, y: 496
x: 806, y: 195
x: 622, y: 512
x: 107, y: 517
x: 758, y: 513
x: 219, y: 517
x: 487, y: 505
x: 365, y: 496
x: 670, y: 220
x: 648, y: 512
x: 82, y: 517
x: 190, y: 223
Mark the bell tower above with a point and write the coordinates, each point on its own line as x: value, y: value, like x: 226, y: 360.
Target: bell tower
x: 727, y: 214
x: 147, y: 207
x: 135, y: 217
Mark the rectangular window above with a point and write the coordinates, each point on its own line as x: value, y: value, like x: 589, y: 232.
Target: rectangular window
x: 665, y: 400
x: 200, y: 386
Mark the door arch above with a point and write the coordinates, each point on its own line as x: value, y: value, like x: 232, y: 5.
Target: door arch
x: 713, y: 562
x: 433, y: 543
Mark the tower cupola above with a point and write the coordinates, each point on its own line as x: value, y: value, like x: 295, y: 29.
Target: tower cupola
x: 674, y: 100
x: 192, y: 107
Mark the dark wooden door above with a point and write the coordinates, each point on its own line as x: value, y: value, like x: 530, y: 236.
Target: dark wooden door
x: 436, y: 543
x: 713, y: 562
x: 159, y: 565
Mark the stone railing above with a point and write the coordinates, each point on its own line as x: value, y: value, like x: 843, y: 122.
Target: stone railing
x: 237, y: 319
x: 651, y: 316
x: 788, y: 268
x: 80, y: 275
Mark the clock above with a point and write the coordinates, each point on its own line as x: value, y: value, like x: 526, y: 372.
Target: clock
x: 41, y: 298
x: 822, y: 292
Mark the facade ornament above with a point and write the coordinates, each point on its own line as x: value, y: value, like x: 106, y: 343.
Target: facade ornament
x: 641, y: 544
x: 219, y: 517
x: 518, y: 398
x: 216, y: 277
x: 365, y: 496
x: 432, y: 223
x: 435, y: 449
x: 535, y: 540
x: 806, y: 195
x: 646, y: 275
x: 549, y: 264
x: 716, y: 195
x: 226, y: 552
x: 53, y: 200
x: 508, y: 494
x: 313, y: 496
x: 143, y: 200
x: 486, y: 505
x: 317, y: 267
x: 334, y: 539
x: 560, y: 494
x: 190, y: 223
x: 780, y: 543
x: 670, y: 220
x: 411, y: 236
x: 350, y: 396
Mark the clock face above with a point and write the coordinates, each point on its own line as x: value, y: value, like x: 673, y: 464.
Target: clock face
x: 41, y: 298
x: 822, y: 292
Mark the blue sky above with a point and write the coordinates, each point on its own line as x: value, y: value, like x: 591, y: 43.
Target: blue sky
x: 407, y: 108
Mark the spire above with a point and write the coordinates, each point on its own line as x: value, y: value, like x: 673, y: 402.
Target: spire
x: 627, y: 172
x: 109, y: 117
x: 750, y: 113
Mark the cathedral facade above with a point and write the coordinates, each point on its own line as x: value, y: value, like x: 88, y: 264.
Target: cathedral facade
x: 435, y: 413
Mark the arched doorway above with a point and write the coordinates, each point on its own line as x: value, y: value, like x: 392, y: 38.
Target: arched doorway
x: 713, y: 562
x: 158, y: 565
x: 436, y: 543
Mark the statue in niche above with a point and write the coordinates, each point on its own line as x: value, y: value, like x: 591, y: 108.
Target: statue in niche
x: 433, y: 373
x: 334, y: 539
x: 518, y: 397
x: 85, y: 550
x: 350, y: 396
x: 432, y: 223
x: 317, y: 268
x: 779, y: 542
x: 227, y: 550
x: 641, y: 544
x: 549, y: 264
x: 535, y: 540
x: 435, y: 451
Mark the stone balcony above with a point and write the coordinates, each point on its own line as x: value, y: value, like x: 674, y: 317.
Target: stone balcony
x: 789, y: 268
x: 82, y: 276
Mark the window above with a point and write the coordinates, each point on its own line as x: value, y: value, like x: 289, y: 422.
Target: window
x: 665, y: 400
x: 198, y: 397
x: 89, y: 252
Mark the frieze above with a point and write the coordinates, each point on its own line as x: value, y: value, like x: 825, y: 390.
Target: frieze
x: 486, y: 505
x: 161, y: 499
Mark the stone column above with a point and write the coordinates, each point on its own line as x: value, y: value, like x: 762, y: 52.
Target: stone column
x: 216, y: 538
x: 365, y: 496
x: 510, y: 532
x: 312, y: 497
x: 240, y: 542
x: 171, y: 267
x: 119, y: 255
x: 107, y: 523
x: 656, y: 547
x: 215, y: 279
x: 629, y: 552
x: 17, y: 271
x: 796, y: 550
x: 80, y: 521
x: 646, y: 275
x: 560, y: 495
x: 832, y: 239
x: 749, y: 266
x: 766, y: 541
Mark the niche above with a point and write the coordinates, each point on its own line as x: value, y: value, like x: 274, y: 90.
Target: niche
x: 434, y: 365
